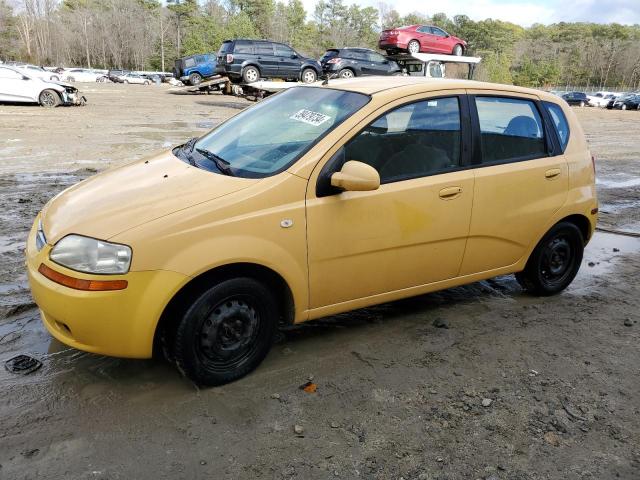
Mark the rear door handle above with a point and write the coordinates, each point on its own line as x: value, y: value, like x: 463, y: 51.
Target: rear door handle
x: 552, y: 173
x: 450, y: 192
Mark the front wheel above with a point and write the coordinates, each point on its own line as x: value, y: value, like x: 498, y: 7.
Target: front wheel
x: 457, y: 50
x: 554, y: 262
x: 624, y: 107
x: 226, y: 332
x: 413, y: 46
x: 309, y: 75
x: 49, y: 98
x: 147, y: 82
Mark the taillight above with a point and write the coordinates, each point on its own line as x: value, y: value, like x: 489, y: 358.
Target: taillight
x: 394, y: 33
x: 335, y: 60
x: 229, y: 58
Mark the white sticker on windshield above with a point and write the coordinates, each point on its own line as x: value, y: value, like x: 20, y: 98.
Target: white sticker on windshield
x: 312, y: 118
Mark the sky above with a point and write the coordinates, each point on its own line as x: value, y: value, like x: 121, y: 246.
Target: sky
x: 522, y: 12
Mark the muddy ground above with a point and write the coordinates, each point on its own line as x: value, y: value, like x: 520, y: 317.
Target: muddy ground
x: 516, y: 387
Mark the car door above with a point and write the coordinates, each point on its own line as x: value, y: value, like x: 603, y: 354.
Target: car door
x: 15, y: 87
x: 440, y: 41
x: 426, y: 39
x: 409, y: 232
x: 521, y: 179
x: 288, y: 61
x: 377, y: 64
x: 266, y: 59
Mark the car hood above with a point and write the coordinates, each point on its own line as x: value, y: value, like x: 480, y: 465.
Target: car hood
x: 119, y: 199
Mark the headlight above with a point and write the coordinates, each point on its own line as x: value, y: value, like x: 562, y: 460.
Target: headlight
x: 89, y: 255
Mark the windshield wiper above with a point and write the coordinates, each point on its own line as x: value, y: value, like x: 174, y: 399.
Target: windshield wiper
x: 221, y: 163
x: 187, y: 149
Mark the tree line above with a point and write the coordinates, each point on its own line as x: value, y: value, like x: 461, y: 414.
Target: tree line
x: 151, y: 34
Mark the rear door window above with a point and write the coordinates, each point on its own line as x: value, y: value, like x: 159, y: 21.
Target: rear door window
x: 226, y: 47
x: 511, y: 129
x: 264, y: 48
x: 438, y: 32
x: 424, y: 29
x: 560, y: 122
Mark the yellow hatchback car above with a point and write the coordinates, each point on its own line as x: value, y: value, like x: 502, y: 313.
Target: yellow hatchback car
x: 316, y: 201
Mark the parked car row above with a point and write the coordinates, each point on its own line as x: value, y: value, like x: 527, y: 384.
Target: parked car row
x: 609, y: 100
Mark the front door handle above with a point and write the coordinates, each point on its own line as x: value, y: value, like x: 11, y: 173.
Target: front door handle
x: 450, y: 192
x: 552, y: 173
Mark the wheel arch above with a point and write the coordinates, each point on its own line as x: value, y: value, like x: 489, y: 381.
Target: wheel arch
x: 168, y: 320
x: 581, y: 222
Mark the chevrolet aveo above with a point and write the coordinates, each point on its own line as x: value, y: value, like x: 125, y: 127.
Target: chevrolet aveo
x: 318, y: 200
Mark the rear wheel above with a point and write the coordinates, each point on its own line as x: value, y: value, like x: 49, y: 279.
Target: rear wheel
x: 457, y: 50
x: 250, y: 74
x: 226, y: 332
x: 195, y: 79
x: 413, y: 46
x: 554, y: 262
x: 309, y: 75
x: 346, y: 73
x: 49, y: 98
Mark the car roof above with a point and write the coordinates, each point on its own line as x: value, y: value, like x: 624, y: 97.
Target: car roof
x: 373, y: 85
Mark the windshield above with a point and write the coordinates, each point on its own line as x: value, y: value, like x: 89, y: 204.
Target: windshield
x: 269, y: 137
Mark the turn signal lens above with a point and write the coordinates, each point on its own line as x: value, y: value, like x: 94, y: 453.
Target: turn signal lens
x: 81, y: 284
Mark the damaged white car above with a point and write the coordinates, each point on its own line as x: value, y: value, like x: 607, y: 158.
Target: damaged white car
x: 20, y: 86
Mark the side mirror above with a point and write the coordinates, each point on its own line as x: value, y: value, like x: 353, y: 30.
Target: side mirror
x: 293, y: 55
x: 386, y: 62
x: 24, y: 77
x: 357, y: 177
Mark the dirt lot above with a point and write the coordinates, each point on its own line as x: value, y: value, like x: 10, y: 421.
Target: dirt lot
x: 516, y: 387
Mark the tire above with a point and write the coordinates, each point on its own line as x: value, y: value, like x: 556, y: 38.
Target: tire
x: 554, y: 262
x: 49, y: 98
x: 413, y: 46
x: 226, y: 332
x: 55, y: 78
x: 457, y: 50
x: 346, y: 73
x: 623, y: 107
x: 195, y: 79
x: 147, y: 82
x: 309, y: 75
x: 250, y: 74
x: 581, y: 104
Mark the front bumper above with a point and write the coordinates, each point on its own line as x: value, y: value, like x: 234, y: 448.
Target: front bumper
x: 73, y: 98
x: 118, y: 323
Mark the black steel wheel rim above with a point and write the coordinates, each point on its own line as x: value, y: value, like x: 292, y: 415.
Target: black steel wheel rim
x: 557, y: 260
x: 229, y: 333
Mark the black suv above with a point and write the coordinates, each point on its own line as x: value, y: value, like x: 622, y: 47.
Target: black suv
x: 356, y: 62
x: 576, y: 98
x: 249, y: 60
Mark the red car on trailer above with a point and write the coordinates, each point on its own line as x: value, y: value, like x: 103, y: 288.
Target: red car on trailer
x: 420, y: 38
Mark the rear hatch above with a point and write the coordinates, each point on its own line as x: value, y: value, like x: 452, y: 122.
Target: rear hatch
x: 328, y: 55
x: 225, y: 54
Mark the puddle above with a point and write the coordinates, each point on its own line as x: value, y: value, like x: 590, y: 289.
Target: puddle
x: 608, y: 183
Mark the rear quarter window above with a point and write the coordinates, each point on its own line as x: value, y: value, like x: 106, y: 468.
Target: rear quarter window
x: 559, y: 122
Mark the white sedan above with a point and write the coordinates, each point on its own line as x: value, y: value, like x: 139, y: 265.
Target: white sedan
x: 16, y: 85
x: 84, y: 75
x: 601, y: 99
x: 135, y: 78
